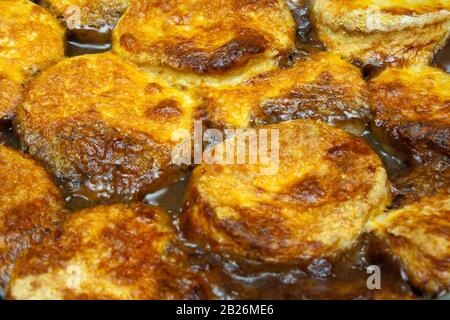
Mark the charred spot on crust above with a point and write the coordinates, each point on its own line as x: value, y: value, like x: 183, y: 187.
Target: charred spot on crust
x: 153, y: 88
x: 420, y: 182
x: 166, y: 109
x: 424, y: 136
x: 206, y: 112
x: 307, y: 191
x: 347, y: 150
x: 410, y: 114
x: 129, y: 42
x: 235, y: 53
x: 322, y: 99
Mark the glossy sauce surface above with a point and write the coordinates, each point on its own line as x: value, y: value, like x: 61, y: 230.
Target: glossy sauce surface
x: 228, y: 278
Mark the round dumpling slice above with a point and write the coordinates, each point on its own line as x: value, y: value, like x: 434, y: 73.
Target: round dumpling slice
x: 199, y: 37
x: 321, y: 86
x: 310, y: 202
x: 31, y: 208
x: 103, y: 129
x: 31, y: 40
x: 411, y: 111
x: 383, y: 32
x: 418, y: 237
x: 123, y: 251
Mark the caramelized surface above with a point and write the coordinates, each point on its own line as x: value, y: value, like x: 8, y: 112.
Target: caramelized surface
x: 412, y: 107
x: 30, y: 206
x: 418, y: 235
x: 341, y: 278
x: 320, y: 87
x: 315, y: 205
x: 419, y: 182
x: 107, y: 252
x: 202, y: 36
x: 103, y: 128
x: 30, y: 40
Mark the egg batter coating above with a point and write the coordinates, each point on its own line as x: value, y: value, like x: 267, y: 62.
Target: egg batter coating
x: 102, y: 128
x: 82, y: 14
x: 418, y: 237
x: 411, y: 110
x: 123, y: 251
x: 203, y: 37
x: 312, y: 205
x: 395, y: 32
x: 320, y: 87
x: 30, y: 40
x: 30, y: 208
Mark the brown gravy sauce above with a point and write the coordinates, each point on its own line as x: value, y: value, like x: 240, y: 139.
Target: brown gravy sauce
x: 228, y: 278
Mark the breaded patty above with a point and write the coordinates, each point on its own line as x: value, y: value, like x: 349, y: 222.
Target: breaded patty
x: 418, y: 236
x: 320, y: 87
x: 102, y: 128
x: 205, y: 37
x: 411, y: 108
x: 328, y: 184
x: 30, y: 40
x: 82, y: 14
x: 395, y: 32
x: 108, y: 252
x: 30, y: 207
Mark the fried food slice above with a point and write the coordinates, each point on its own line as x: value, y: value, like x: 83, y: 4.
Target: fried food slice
x: 411, y: 110
x: 320, y: 87
x: 202, y: 37
x: 418, y: 236
x: 123, y: 251
x: 102, y: 128
x: 312, y: 204
x: 383, y: 31
x: 30, y: 40
x: 83, y: 14
x: 30, y: 208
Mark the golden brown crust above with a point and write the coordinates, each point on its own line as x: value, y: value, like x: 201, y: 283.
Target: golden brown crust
x: 11, y: 90
x: 30, y: 40
x: 395, y: 7
x: 418, y: 235
x: 202, y: 36
x: 320, y: 87
x: 412, y: 107
x: 124, y: 251
x: 383, y: 32
x: 327, y: 186
x: 103, y: 128
x: 419, y: 182
x: 82, y: 14
x: 30, y: 206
